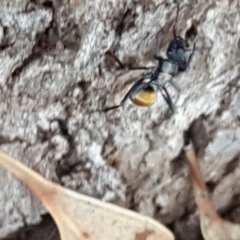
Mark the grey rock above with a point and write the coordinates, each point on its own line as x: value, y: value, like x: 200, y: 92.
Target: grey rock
x: 53, y: 65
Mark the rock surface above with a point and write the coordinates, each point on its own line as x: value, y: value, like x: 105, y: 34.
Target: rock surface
x: 54, y: 65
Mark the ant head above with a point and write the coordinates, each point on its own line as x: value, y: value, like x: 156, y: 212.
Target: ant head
x: 177, y: 42
x: 176, y: 50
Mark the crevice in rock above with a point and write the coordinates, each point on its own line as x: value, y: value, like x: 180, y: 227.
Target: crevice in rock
x: 7, y: 140
x: 199, y: 135
x: 40, y: 48
x: 126, y: 21
x: 108, y: 152
x: 191, y: 33
x: 232, y: 214
x: 48, y: 4
x: 46, y: 229
x: 6, y: 41
x: 69, y: 161
x: 231, y: 166
x: 211, y: 186
x: 45, y: 42
x: 178, y: 163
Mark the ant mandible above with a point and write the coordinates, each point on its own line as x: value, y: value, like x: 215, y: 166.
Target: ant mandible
x: 144, y: 91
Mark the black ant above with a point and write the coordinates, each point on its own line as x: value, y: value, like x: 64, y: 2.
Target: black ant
x: 144, y: 91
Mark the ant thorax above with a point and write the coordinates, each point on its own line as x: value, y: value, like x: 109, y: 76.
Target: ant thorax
x: 164, y: 77
x: 169, y: 67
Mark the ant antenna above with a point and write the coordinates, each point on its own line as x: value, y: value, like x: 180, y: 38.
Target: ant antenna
x: 175, y: 24
x: 157, y: 47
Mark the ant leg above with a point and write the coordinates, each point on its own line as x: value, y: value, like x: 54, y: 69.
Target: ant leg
x: 157, y: 49
x: 196, y: 49
x: 129, y: 68
x: 137, y: 86
x: 191, y: 55
x: 118, y: 61
x: 176, y: 20
x: 111, y: 108
x: 167, y: 98
x: 188, y: 49
x: 139, y: 68
x: 171, y: 82
x: 175, y: 85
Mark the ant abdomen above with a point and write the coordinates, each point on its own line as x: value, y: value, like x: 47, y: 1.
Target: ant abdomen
x: 145, y: 97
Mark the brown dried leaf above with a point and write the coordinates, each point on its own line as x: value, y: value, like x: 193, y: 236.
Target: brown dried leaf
x: 212, y: 225
x: 79, y: 217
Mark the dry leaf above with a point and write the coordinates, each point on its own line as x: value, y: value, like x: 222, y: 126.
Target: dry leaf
x: 213, y: 227
x: 79, y: 217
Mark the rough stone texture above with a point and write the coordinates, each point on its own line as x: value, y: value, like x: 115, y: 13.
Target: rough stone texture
x: 53, y: 65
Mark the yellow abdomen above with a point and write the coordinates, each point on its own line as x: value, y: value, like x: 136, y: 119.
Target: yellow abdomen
x: 144, y: 98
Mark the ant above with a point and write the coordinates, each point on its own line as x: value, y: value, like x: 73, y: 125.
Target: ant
x: 144, y: 91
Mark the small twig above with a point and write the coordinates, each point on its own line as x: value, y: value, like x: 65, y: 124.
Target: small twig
x: 212, y: 225
x: 202, y: 198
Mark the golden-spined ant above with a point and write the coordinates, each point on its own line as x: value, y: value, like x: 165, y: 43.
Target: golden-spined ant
x: 144, y: 91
